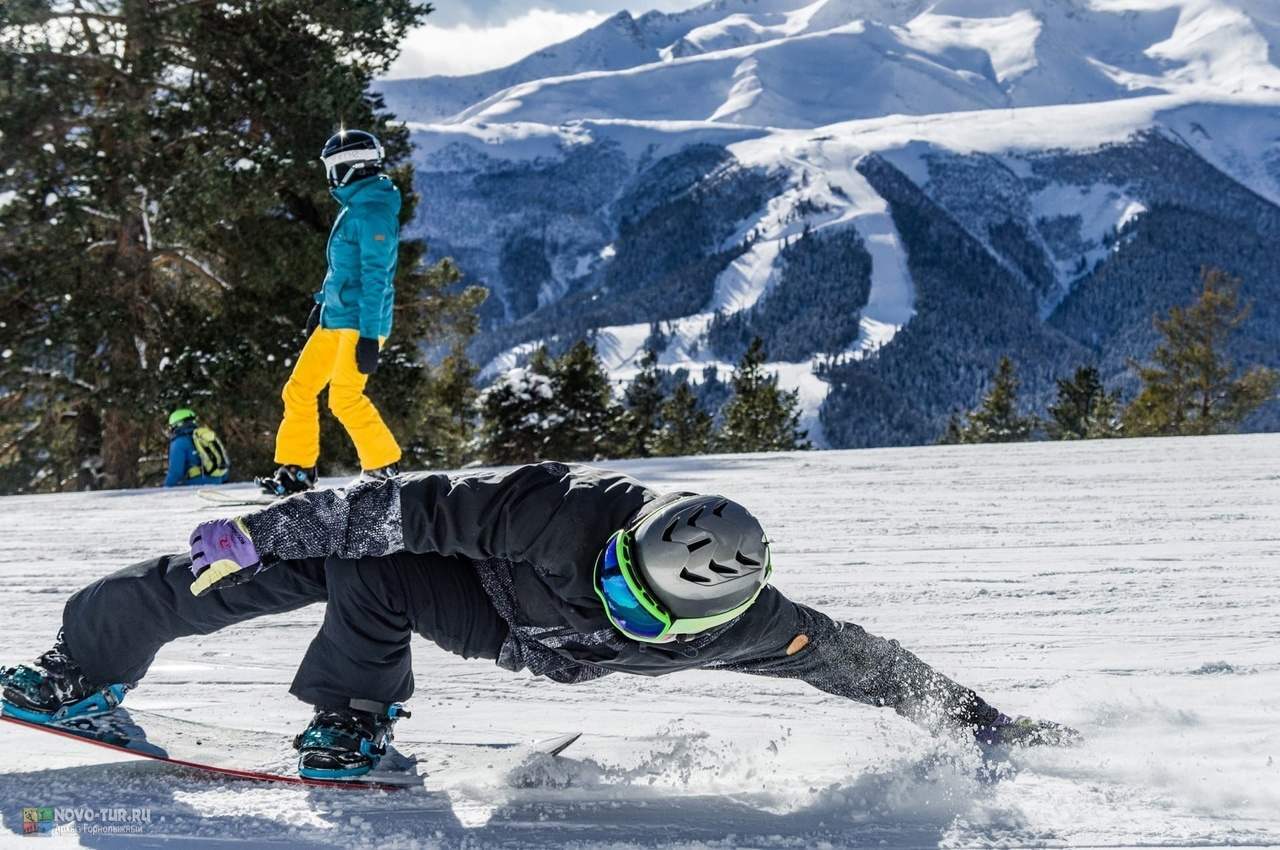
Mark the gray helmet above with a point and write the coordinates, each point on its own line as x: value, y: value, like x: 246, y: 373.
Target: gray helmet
x: 702, y: 555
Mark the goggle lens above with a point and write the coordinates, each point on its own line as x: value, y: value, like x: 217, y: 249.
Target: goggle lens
x: 624, y: 608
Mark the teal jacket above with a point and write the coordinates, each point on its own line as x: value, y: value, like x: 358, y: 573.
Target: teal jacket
x: 359, y: 289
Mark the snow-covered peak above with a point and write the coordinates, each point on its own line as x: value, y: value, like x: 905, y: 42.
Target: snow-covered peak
x: 616, y: 43
x: 808, y: 63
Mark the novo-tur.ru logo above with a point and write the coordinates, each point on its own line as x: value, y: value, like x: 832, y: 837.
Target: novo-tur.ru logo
x: 37, y: 820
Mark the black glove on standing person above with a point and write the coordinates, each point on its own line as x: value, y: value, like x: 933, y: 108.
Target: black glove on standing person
x: 367, y: 355
x: 313, y: 320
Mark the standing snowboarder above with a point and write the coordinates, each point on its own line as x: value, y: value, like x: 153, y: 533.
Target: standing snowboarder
x: 570, y: 572
x: 349, y: 323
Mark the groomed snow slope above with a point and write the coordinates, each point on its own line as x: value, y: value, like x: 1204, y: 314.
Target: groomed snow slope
x: 1129, y: 588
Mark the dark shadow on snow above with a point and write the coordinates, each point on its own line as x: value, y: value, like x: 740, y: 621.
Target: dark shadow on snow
x: 908, y: 804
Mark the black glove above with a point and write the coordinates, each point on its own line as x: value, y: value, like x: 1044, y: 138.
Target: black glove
x: 367, y: 355
x: 313, y: 320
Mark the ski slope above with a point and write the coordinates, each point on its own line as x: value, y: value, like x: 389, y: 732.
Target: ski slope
x: 1129, y: 588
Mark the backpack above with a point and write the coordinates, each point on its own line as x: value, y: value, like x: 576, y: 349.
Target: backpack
x: 213, y: 455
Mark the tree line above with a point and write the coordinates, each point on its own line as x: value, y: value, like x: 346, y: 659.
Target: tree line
x: 1191, y: 387
x: 564, y: 407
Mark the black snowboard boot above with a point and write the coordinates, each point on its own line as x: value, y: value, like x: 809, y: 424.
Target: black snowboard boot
x: 382, y: 473
x: 54, y: 688
x: 346, y: 744
x: 1007, y: 731
x: 289, y: 479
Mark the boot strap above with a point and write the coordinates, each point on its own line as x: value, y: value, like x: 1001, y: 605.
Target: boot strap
x: 393, y: 710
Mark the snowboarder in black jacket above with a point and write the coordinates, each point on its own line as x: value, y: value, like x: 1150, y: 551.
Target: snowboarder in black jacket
x: 570, y: 572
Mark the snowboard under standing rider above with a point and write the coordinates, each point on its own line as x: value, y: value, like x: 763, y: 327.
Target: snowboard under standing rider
x: 349, y: 323
x: 570, y: 572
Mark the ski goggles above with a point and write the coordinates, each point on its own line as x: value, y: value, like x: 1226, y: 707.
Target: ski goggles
x: 352, y: 158
x: 633, y: 610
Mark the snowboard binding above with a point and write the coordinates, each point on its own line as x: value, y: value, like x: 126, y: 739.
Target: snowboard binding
x: 54, y: 689
x: 382, y: 473
x: 288, y: 480
x: 346, y: 744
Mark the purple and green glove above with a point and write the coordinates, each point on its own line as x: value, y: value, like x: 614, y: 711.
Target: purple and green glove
x: 222, y: 555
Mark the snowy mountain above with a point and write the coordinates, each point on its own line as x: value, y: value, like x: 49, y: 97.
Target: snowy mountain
x: 1126, y: 587
x: 799, y: 63
x: 687, y: 173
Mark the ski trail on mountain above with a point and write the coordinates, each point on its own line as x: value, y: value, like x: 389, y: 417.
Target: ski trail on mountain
x: 832, y: 182
x: 891, y: 303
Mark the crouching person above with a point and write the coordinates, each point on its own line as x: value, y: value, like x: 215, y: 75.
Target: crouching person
x: 570, y: 572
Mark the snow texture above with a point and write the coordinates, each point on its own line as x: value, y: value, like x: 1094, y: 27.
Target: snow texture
x: 1127, y: 588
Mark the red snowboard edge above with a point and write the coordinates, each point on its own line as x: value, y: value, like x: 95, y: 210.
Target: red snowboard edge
x: 250, y: 775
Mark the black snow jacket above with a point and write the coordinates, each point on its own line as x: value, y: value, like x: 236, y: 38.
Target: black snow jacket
x: 534, y: 534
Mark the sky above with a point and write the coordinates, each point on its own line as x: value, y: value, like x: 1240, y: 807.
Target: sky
x: 469, y: 36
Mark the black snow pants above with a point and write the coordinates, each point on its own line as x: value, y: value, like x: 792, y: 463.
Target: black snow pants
x: 114, y: 627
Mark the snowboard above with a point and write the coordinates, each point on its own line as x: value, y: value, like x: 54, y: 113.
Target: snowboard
x: 235, y: 498
x: 269, y: 757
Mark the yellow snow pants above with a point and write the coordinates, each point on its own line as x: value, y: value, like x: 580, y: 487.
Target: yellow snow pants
x: 329, y: 359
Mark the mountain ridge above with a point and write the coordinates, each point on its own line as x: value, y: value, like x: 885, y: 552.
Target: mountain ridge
x: 1046, y: 164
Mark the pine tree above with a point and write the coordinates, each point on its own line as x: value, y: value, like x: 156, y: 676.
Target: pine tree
x: 954, y: 434
x: 581, y: 427
x: 638, y: 425
x: 1083, y: 410
x: 444, y: 415
x: 759, y: 417
x: 686, y: 428
x: 167, y: 221
x: 1107, y: 418
x: 1191, y: 388
x: 657, y: 339
x: 516, y: 411
x: 996, y: 419
x: 713, y: 393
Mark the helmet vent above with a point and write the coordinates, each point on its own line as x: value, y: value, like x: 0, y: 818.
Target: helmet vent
x: 666, y: 534
x: 700, y: 555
